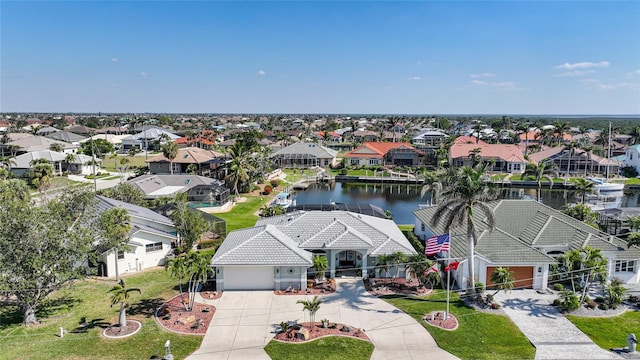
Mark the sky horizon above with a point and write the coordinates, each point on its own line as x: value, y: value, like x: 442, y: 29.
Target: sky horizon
x: 447, y: 57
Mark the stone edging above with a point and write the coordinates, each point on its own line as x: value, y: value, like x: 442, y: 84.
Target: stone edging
x: 155, y: 317
x: 104, y: 332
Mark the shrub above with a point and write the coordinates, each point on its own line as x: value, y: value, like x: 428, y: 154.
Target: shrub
x: 556, y: 302
x: 495, y: 306
x: 284, y: 326
x: 207, y: 244
x: 569, y: 301
x: 603, y: 306
x: 344, y: 171
x: 275, y: 183
x: 587, y: 299
x: 591, y: 304
x: 268, y: 189
x: 599, y: 299
x: 480, y: 288
x: 558, y: 287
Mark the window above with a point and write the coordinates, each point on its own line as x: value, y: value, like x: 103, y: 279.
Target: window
x: 153, y: 247
x: 422, y: 227
x: 625, y: 266
x: 374, y: 161
x: 120, y: 255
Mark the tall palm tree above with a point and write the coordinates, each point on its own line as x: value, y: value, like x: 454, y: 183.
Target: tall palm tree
x: 312, y: 306
x: 634, y: 222
x: 583, y: 187
x: 635, y: 135
x: 40, y: 175
x: 397, y: 258
x: 560, y: 128
x: 570, y: 148
x: 120, y: 294
x: 540, y: 171
x: 432, y: 184
x: 170, y: 151
x: 417, y: 265
x: 467, y: 193
x: 177, y: 268
x: 240, y: 166
x: 199, y: 268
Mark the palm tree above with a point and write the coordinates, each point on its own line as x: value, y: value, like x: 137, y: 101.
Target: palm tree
x: 560, y: 128
x: 384, y: 263
x: 432, y: 184
x: 633, y: 239
x: 7, y: 162
x: 571, y: 148
x: 312, y: 306
x: 634, y: 222
x: 396, y: 259
x: 240, y: 167
x: 417, y: 265
x: 583, y: 187
x: 199, y: 267
x: 115, y: 225
x: 464, y: 195
x: 320, y: 265
x: 40, y: 175
x: 120, y: 294
x: 475, y: 156
x: 57, y: 147
x: 177, y: 268
x: 540, y: 171
x: 635, y: 135
x: 170, y: 151
x: 503, y: 279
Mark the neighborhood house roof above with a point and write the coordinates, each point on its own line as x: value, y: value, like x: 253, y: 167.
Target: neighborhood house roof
x: 190, y: 155
x: 36, y: 143
x: 165, y: 185
x: 297, y: 232
x: 524, y: 229
x: 379, y: 149
x: 506, y: 152
x: 24, y: 161
x: 66, y: 136
x: 316, y: 150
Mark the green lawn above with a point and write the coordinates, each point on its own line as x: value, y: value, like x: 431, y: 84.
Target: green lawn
x: 89, y: 299
x: 242, y: 215
x: 608, y: 332
x: 335, y: 347
x: 295, y: 175
x: 479, y: 335
x: 109, y: 163
x: 407, y: 227
x: 633, y: 181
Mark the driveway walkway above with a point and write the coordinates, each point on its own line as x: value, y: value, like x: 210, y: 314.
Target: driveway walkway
x: 245, y: 321
x: 550, y: 332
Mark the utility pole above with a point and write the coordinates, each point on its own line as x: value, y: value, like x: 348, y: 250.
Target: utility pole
x: 93, y: 164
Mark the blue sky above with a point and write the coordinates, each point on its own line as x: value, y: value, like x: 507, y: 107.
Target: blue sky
x: 449, y: 57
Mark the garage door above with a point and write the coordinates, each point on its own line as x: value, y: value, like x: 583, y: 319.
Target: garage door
x: 522, y: 274
x: 249, y: 278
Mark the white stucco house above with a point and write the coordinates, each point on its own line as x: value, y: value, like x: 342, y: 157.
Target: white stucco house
x: 527, y: 238
x: 632, y: 157
x: 149, y: 244
x: 278, y: 252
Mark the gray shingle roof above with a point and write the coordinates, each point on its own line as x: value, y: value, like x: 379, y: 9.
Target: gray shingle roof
x: 105, y: 203
x: 66, y: 136
x: 24, y: 161
x: 179, y: 183
x: 260, y: 245
x: 522, y: 224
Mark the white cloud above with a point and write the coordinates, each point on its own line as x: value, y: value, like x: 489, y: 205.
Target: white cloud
x: 115, y: 59
x: 144, y: 74
x: 482, y: 75
x: 583, y: 65
x: 637, y: 72
x: 478, y: 82
x: 595, y: 84
x: 415, y: 78
x: 261, y: 72
x: 575, y: 73
x: 495, y: 85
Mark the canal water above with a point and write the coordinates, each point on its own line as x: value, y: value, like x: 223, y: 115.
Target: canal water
x: 402, y: 200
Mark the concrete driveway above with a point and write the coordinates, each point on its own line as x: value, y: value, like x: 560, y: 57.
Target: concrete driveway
x: 245, y: 321
x: 549, y: 331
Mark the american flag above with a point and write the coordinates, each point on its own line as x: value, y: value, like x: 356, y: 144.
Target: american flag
x: 436, y: 244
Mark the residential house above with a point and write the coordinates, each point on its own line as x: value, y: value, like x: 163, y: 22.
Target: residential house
x: 501, y: 157
x: 198, y: 188
x: 205, y: 162
x: 304, y: 155
x: 149, y: 243
x: 39, y: 143
x: 385, y: 153
x: 23, y: 163
x: 365, y: 136
x: 278, y: 252
x: 632, y: 157
x: 527, y: 238
x: 578, y: 162
x: 429, y: 139
x: 149, y: 138
x: 67, y: 136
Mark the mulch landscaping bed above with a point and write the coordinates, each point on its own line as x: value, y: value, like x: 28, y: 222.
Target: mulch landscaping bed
x: 387, y: 286
x: 117, y: 331
x: 320, y: 289
x: 317, y: 331
x: 436, y: 319
x: 173, y: 316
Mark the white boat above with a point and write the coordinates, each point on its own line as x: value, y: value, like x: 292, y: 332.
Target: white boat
x: 605, y: 200
x: 600, y: 185
x: 283, y: 199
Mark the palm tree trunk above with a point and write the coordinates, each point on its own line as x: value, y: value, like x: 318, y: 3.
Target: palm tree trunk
x: 470, y: 262
x: 122, y: 320
x: 171, y: 165
x: 116, y: 267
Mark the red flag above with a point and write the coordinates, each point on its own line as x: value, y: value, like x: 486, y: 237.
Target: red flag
x: 433, y: 268
x: 453, y: 266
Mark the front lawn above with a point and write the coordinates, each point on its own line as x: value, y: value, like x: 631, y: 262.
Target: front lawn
x: 242, y: 215
x: 608, y: 332
x: 633, y: 181
x: 89, y: 299
x: 333, y: 347
x: 479, y: 335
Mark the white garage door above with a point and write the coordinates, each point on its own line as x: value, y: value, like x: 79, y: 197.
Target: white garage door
x: 249, y: 278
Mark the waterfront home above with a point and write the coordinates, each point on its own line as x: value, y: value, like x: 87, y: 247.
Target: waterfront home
x: 304, y: 155
x: 632, y: 157
x: 385, y: 153
x: 198, y: 188
x: 501, y: 157
x: 578, y: 162
x: 429, y: 139
x: 149, y: 242
x: 277, y: 253
x: 527, y: 238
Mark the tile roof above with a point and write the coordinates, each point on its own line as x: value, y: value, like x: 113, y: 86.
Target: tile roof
x: 506, y: 152
x: 66, y: 136
x: 522, y: 224
x: 378, y: 148
x: 105, y: 203
x: 314, y: 149
x: 36, y: 143
x: 191, y: 155
x: 260, y: 245
x: 24, y: 161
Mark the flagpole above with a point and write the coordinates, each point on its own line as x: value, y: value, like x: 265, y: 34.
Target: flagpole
x: 446, y: 313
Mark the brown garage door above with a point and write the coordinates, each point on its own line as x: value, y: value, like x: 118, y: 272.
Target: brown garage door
x: 522, y: 274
